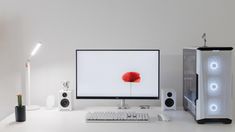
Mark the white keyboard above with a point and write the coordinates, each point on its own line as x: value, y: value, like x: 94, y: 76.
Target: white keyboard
x: 116, y: 117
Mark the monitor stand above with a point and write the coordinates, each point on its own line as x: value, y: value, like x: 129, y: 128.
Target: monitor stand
x: 123, y: 105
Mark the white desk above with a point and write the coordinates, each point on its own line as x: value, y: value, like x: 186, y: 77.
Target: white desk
x: 74, y: 121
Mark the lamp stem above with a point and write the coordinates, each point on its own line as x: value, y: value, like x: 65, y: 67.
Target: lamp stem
x: 28, y: 89
x: 28, y: 83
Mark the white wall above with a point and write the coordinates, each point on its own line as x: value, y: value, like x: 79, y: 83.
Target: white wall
x: 11, y: 63
x: 65, y: 25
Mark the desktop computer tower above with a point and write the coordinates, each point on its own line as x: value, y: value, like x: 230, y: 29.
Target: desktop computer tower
x: 207, y: 83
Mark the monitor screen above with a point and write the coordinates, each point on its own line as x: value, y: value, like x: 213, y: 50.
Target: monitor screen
x: 117, y: 74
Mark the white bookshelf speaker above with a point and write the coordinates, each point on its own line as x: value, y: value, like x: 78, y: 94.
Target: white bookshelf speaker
x: 65, y: 100
x: 168, y: 99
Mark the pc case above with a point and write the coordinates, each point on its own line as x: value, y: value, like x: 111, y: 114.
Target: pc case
x: 207, y: 83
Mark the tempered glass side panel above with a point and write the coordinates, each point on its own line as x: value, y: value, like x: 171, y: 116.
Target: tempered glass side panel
x: 189, y: 79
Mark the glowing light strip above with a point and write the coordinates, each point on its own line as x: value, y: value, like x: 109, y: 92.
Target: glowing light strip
x: 36, y: 49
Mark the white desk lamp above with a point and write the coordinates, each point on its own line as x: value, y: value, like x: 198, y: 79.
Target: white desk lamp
x: 29, y: 106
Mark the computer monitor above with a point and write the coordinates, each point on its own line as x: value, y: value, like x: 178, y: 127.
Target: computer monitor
x: 117, y: 74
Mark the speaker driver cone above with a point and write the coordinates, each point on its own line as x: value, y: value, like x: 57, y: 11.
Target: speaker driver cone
x: 64, y: 102
x: 169, y: 102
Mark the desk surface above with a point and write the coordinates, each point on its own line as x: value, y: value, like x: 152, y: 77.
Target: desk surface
x: 74, y: 121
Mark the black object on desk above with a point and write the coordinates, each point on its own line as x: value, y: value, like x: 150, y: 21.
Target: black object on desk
x: 20, y: 110
x: 20, y: 113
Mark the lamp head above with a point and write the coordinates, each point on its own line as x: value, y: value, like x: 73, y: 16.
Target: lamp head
x: 36, y: 48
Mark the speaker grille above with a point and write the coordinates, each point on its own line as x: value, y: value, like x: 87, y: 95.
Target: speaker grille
x: 169, y: 102
x: 64, y: 102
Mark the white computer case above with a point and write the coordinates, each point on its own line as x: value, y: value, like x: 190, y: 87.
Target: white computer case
x: 207, y: 83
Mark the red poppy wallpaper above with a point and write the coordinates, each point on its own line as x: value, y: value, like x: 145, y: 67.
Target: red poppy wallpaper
x: 131, y: 77
x: 117, y: 73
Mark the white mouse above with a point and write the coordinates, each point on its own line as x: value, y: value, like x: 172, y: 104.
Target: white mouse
x: 163, y: 117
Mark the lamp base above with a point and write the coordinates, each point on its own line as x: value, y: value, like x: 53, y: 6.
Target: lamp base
x: 32, y: 107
